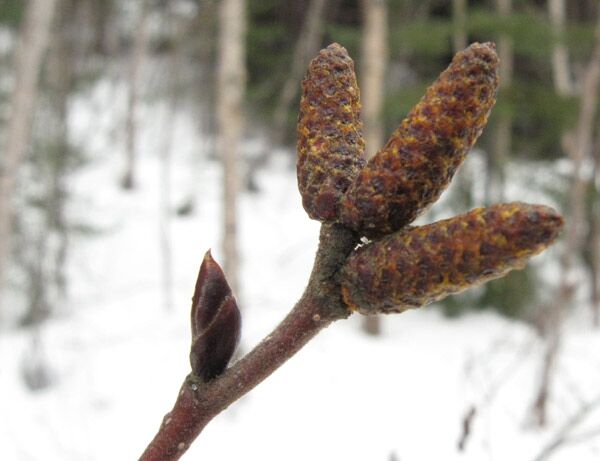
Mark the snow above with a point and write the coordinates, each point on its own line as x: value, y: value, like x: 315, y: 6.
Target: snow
x: 117, y: 356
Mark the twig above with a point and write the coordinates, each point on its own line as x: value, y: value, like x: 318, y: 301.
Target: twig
x: 467, y: 422
x: 473, y: 410
x: 400, y: 268
x: 319, y: 306
x: 563, y: 437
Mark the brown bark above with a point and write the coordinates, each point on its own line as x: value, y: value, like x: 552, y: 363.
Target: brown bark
x: 231, y: 81
x: 373, y: 67
x: 33, y: 40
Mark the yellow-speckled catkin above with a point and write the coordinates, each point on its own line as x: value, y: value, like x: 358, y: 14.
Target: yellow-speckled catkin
x: 330, y: 141
x: 416, y: 266
x: 419, y: 160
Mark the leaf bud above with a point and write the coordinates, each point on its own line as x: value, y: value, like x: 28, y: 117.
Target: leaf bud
x: 216, y: 322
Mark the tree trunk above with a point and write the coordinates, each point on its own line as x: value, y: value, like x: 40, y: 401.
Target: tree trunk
x: 579, y: 146
x: 59, y: 80
x: 33, y: 39
x: 560, y: 54
x: 231, y: 79
x: 168, y: 127
x: 501, y: 146
x: 459, y: 25
x: 463, y: 183
x: 45, y: 244
x: 104, y: 38
x: 373, y: 66
x: 594, y: 242
x: 138, y: 53
x: 307, y: 46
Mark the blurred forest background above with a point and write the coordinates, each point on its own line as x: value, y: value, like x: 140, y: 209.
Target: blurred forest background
x: 72, y: 69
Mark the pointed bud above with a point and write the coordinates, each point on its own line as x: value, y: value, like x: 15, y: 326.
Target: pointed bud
x: 216, y: 322
x: 330, y: 140
x: 419, y: 160
x: 417, y: 266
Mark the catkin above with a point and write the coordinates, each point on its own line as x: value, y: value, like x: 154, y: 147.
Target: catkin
x: 420, y: 158
x: 330, y: 140
x: 414, y: 267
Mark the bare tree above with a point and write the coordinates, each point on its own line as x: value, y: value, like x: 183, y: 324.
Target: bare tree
x: 231, y: 80
x: 374, y: 58
x: 139, y: 50
x: 33, y: 40
x: 578, y: 145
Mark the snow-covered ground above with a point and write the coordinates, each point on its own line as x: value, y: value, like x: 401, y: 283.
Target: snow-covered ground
x: 118, y: 356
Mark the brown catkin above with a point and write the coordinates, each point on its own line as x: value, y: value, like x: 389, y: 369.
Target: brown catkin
x: 419, y: 160
x: 330, y: 141
x: 414, y: 267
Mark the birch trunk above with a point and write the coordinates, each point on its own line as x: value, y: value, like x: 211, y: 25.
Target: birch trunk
x: 231, y: 79
x: 373, y: 66
x: 33, y: 40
